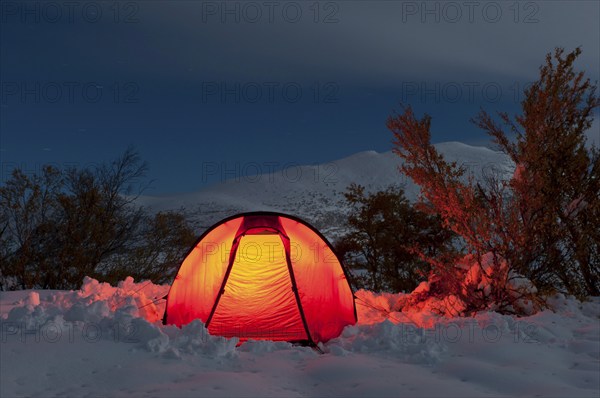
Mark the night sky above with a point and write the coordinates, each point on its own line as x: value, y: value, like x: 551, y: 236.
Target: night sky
x: 191, y: 83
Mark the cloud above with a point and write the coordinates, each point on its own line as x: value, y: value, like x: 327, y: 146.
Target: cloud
x: 382, y: 43
x: 370, y: 43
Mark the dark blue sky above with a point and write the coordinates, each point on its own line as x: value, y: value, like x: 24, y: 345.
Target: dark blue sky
x: 232, y: 85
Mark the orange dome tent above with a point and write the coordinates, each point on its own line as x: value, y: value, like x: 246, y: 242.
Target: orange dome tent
x: 266, y: 276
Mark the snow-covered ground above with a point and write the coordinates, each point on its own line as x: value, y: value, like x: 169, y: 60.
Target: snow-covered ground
x: 108, y: 341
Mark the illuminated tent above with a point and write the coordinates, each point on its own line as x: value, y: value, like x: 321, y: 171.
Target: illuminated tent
x: 264, y: 276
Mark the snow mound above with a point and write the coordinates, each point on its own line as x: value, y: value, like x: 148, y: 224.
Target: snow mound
x: 402, y: 341
x: 127, y: 313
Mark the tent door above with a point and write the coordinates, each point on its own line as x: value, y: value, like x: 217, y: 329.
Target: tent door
x: 258, y: 301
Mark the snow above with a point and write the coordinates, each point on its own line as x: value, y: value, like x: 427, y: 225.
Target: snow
x: 315, y: 192
x: 104, y: 340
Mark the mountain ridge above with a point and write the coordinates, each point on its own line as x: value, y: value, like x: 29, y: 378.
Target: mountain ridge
x: 315, y: 192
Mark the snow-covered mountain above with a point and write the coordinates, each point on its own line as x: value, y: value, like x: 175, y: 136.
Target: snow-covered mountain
x: 315, y: 192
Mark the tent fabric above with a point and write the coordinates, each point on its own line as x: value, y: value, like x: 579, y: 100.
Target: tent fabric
x: 266, y: 276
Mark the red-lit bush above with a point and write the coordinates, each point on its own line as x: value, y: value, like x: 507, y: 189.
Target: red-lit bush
x: 541, y: 223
